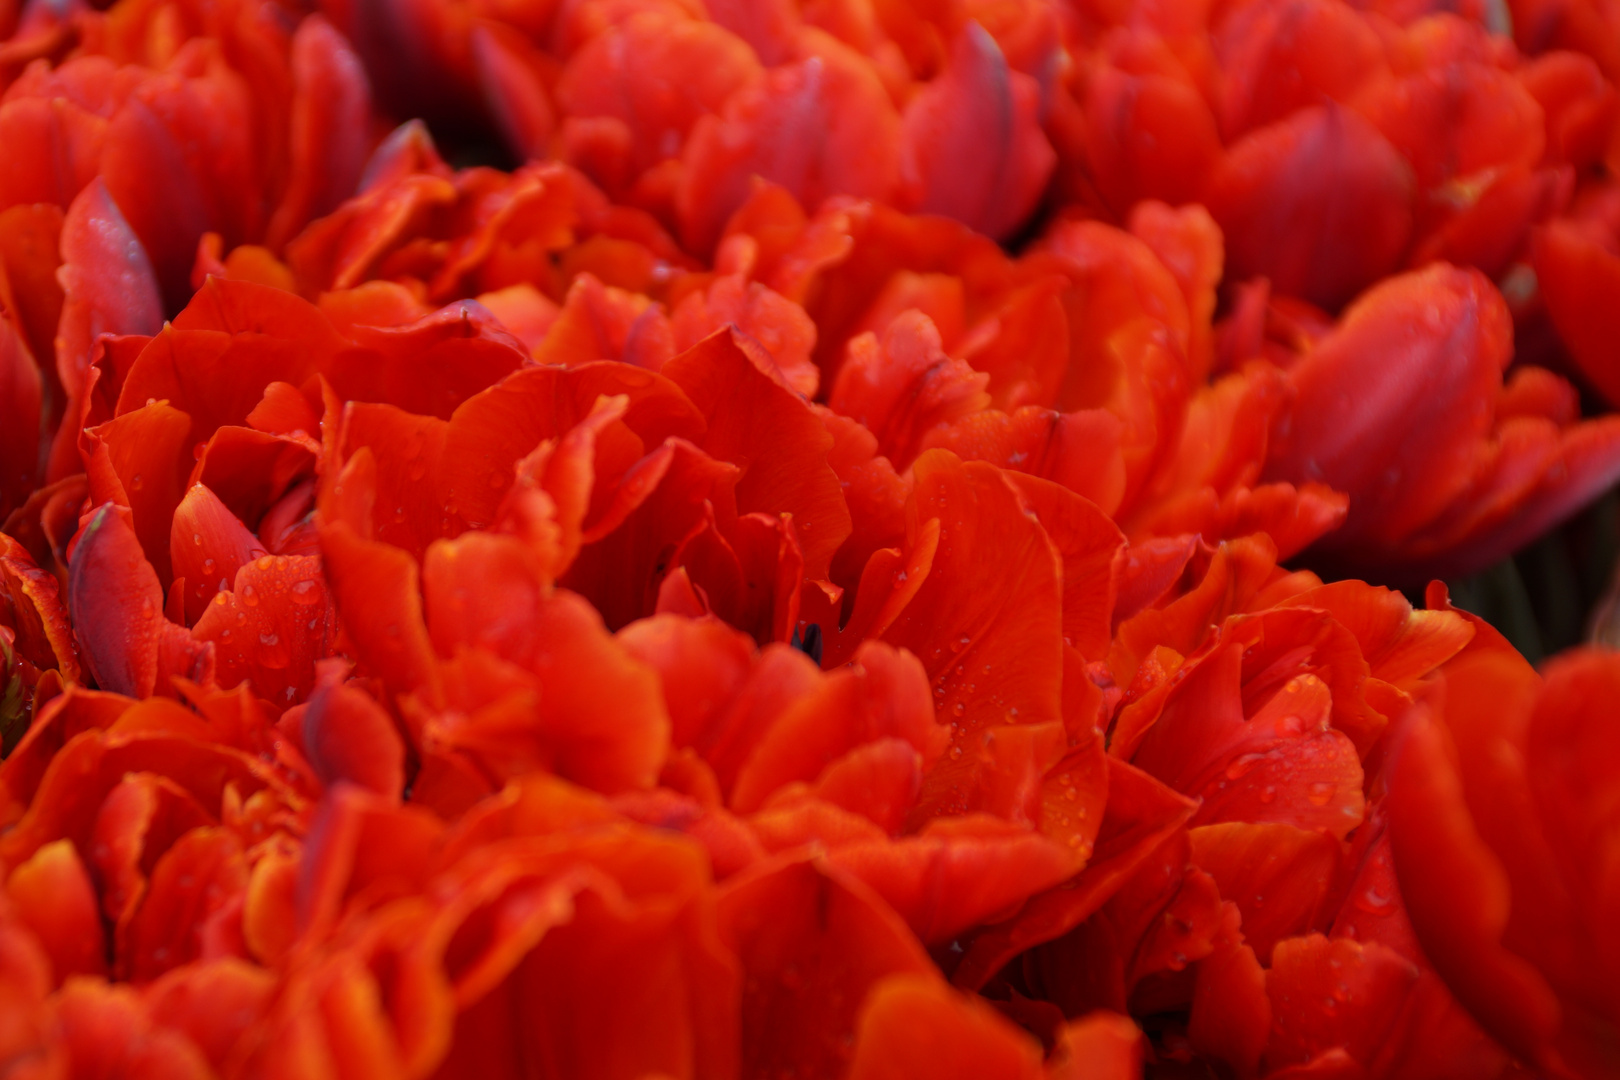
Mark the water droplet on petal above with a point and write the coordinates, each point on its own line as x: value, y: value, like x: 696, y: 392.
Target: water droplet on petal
x: 1241, y: 766
x: 1375, y: 901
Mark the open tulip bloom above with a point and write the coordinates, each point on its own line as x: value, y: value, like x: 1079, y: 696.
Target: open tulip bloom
x: 839, y: 539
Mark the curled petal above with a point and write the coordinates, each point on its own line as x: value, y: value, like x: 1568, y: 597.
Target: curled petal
x: 812, y: 943
x: 107, y: 282
x: 971, y: 143
x: 819, y: 127
x: 349, y: 737
x: 53, y: 895
x: 116, y: 604
x: 912, y: 1026
x: 1317, y: 238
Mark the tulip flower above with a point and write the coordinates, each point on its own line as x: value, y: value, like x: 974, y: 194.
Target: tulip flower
x: 651, y: 538
x: 1501, y: 888
x: 1479, y: 465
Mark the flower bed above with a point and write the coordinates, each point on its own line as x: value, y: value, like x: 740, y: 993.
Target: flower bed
x: 815, y: 538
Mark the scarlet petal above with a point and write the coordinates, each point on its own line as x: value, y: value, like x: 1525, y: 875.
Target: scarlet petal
x: 905, y: 385
x: 29, y: 259
x: 1142, y: 814
x: 1317, y: 239
x: 194, y: 879
x: 1409, y: 449
x: 271, y: 626
x: 781, y: 127
x: 375, y: 590
x: 46, y: 128
x: 1281, y: 57
x: 976, y: 103
x: 776, y: 324
x: 1125, y: 115
x: 879, y: 781
x: 513, y: 89
x: 20, y: 400
x: 1098, y: 1046
x: 1028, y: 352
x: 914, y: 1026
x: 992, y: 651
x: 1079, y: 450
x: 253, y: 472
x: 782, y: 676
x: 331, y: 101
x: 348, y: 736
x: 39, y: 618
x: 172, y: 191
x: 1575, y: 273
x: 666, y: 507
x: 600, y: 322
x: 116, y: 604
x: 1089, y: 544
x: 700, y: 663
x: 491, y: 431
x: 105, y: 1029
x: 658, y: 74
x: 54, y: 897
x: 1571, y: 757
x: 107, y: 282
x: 1329, y: 995
x: 776, y: 440
x: 958, y: 873
x: 1231, y: 1014
x: 812, y: 943
x: 1457, y: 120
x: 398, y: 480
x: 233, y: 338
x: 430, y: 366
x: 624, y: 918
x: 138, y: 821
x: 1278, y: 875
x: 1189, y: 244
x: 215, y: 1003
x: 1436, y: 845
x: 1282, y: 764
x: 133, y: 460
x: 498, y: 605
x: 1400, y: 645
x: 884, y: 694
x: 207, y: 546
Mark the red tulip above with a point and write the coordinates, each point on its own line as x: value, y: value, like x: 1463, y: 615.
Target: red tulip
x: 1465, y: 477
x: 1498, y: 830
